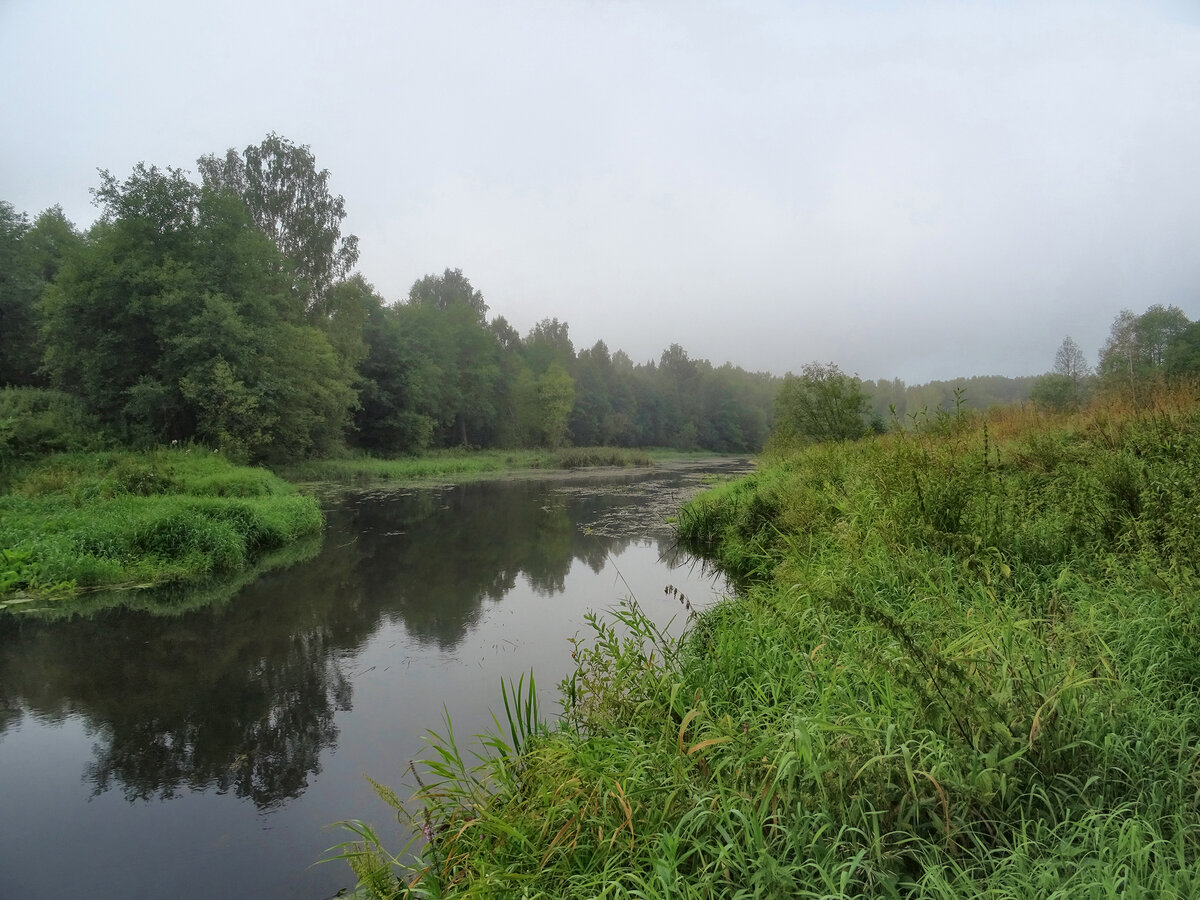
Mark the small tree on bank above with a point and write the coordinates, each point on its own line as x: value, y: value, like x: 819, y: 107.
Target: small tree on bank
x: 822, y: 403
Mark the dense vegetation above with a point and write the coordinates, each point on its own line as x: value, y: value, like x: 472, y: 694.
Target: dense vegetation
x: 962, y: 663
x: 229, y: 313
x: 77, y: 522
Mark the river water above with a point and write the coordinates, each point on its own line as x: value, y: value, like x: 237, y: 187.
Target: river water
x: 207, y: 754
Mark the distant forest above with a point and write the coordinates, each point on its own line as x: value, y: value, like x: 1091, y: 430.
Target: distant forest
x: 229, y: 312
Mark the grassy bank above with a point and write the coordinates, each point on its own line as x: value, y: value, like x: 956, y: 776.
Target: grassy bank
x: 71, y: 524
x: 463, y: 464
x: 964, y: 663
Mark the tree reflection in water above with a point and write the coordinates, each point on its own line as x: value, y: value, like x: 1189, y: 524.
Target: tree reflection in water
x: 243, y: 696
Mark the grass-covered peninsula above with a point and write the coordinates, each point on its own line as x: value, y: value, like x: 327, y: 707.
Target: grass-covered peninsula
x: 963, y: 662
x: 73, y: 523
x: 433, y: 465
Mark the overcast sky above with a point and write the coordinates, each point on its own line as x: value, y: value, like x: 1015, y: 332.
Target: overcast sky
x: 914, y: 190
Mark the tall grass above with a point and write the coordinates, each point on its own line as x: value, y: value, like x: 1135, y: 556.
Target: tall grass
x: 458, y: 464
x: 73, y: 523
x: 962, y: 663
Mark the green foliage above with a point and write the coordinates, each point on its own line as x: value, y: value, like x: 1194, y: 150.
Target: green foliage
x: 1182, y: 358
x: 36, y: 421
x: 820, y: 404
x: 18, y: 291
x: 175, y: 320
x: 447, y: 291
x: 957, y: 666
x: 454, y: 372
x: 437, y: 376
x: 396, y: 411
x: 227, y: 312
x: 555, y: 398
x: 78, y: 522
x: 547, y: 344
x: 289, y: 201
x: 1054, y: 391
x: 896, y: 402
x: 30, y: 257
x: 1138, y: 345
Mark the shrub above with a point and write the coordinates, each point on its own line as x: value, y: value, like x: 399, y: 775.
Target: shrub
x: 35, y: 421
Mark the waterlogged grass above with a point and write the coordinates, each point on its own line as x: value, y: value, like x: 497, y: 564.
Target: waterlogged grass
x: 76, y: 523
x: 460, y: 464
x: 959, y: 666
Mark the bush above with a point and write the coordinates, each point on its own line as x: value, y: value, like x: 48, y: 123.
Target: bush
x: 34, y: 422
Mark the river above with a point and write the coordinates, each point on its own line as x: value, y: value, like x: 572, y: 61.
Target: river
x: 207, y: 754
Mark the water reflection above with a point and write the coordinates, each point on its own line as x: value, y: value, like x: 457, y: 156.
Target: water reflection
x: 432, y: 560
x: 240, y: 700
x: 243, y: 698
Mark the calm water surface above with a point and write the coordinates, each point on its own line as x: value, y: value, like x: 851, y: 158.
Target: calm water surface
x: 205, y: 755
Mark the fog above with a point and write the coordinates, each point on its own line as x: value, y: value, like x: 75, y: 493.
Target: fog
x: 911, y: 190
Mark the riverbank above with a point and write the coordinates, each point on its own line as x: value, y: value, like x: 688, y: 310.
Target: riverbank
x: 75, y: 523
x: 962, y: 665
x: 467, y: 464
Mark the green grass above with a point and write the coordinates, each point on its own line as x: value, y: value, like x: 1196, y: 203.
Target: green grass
x: 76, y: 523
x: 454, y: 464
x: 961, y: 664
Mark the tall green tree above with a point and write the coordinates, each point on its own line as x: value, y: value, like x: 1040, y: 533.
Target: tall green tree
x: 19, y: 290
x: 449, y: 313
x: 1137, y: 345
x: 50, y: 242
x: 592, y: 406
x: 176, y: 320
x: 1183, y: 354
x: 30, y: 257
x: 399, y: 400
x: 556, y: 397
x: 289, y: 200
x: 548, y: 342
x: 447, y: 291
x: 678, y: 386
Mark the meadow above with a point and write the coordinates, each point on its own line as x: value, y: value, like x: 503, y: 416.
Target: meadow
x: 962, y: 661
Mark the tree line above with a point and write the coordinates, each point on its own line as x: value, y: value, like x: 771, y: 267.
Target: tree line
x: 1141, y: 349
x: 228, y: 311
x: 822, y: 403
